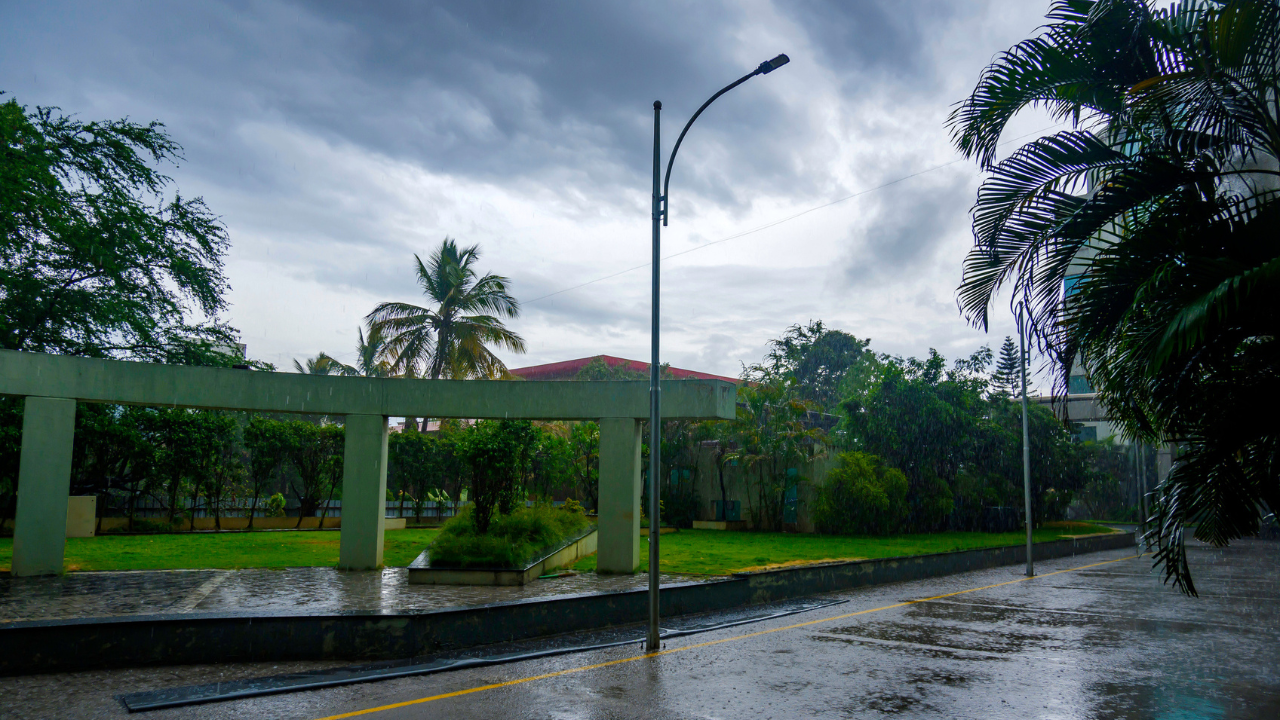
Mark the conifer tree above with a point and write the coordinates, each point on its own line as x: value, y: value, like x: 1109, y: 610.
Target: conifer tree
x: 1007, y: 377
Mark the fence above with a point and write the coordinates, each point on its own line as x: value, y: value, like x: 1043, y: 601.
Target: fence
x: 150, y: 508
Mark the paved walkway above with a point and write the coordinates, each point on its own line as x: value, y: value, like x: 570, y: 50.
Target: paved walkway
x: 1096, y: 636
x: 290, y: 590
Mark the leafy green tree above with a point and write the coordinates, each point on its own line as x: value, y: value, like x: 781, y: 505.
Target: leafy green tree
x: 500, y: 454
x: 584, y: 448
x: 861, y: 495
x: 771, y: 438
x: 188, y: 447
x: 224, y: 469
x: 112, y: 455
x: 678, y: 476
x: 312, y: 452
x: 332, y: 442
x: 1007, y: 377
x: 815, y: 356
x: 960, y: 449
x: 552, y: 468
x: 268, y: 443
x: 417, y: 465
x: 1113, y: 473
x: 451, y: 338
x: 96, y: 258
x: 598, y: 369
x: 1161, y: 206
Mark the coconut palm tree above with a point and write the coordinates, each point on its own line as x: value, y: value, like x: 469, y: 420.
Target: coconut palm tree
x: 370, y: 358
x: 1144, y: 239
x: 451, y: 337
x: 321, y: 364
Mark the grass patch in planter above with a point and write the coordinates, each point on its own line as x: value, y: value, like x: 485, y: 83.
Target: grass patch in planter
x: 513, y: 541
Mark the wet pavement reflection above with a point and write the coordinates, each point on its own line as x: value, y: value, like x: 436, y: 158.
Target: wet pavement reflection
x: 1108, y: 641
x: 288, y: 590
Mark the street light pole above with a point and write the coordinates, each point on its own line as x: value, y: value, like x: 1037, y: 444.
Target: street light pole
x: 1026, y: 441
x: 655, y: 389
x: 660, y: 206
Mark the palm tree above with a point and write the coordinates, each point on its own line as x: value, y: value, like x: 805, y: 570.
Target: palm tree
x: 321, y: 364
x: 370, y: 358
x: 450, y: 338
x: 1159, y: 210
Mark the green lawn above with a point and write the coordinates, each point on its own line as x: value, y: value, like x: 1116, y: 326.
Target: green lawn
x: 707, y: 552
x: 716, y: 552
x: 265, y: 549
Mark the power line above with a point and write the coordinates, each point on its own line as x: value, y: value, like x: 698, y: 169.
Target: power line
x: 775, y: 223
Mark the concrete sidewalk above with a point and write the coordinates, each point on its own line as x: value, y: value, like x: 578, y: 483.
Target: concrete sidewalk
x: 1101, y: 638
x: 289, y: 590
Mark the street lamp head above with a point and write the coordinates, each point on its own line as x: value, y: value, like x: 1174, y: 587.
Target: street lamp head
x: 769, y: 66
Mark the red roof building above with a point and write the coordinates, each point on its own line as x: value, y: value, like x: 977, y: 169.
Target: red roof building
x: 568, y: 369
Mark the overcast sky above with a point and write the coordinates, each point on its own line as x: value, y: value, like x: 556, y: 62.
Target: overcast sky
x: 335, y: 140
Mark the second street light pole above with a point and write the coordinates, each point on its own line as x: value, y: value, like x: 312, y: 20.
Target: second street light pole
x: 660, y: 205
x: 1026, y: 444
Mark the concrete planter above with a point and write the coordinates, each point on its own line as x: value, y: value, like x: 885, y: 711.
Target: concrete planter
x: 719, y: 525
x: 421, y: 572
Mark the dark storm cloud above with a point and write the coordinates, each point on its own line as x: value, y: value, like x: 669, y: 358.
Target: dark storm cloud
x: 336, y: 139
x: 894, y: 40
x: 494, y: 91
x: 907, y: 231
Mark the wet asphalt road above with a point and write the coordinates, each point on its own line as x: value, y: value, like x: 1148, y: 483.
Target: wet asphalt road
x: 1107, y: 641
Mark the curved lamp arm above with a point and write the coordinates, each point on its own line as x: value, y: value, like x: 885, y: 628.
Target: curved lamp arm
x: 765, y: 68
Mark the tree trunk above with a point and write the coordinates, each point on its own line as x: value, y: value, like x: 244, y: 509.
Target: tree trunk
x: 724, y: 491
x: 325, y: 512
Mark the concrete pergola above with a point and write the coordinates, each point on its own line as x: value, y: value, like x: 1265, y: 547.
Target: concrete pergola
x: 52, y: 384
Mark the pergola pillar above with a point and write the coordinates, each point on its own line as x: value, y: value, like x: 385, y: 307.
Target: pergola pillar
x: 44, y: 482
x: 618, y: 545
x: 364, y: 492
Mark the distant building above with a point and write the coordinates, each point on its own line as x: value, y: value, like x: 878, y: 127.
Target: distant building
x: 569, y: 369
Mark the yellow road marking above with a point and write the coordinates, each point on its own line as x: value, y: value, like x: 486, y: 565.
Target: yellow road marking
x: 682, y: 648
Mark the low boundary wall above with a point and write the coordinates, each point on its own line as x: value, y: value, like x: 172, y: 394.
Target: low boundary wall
x: 66, y: 645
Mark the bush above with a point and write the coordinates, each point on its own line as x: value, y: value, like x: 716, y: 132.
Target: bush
x: 513, y: 540
x: 861, y: 496
x: 275, y: 505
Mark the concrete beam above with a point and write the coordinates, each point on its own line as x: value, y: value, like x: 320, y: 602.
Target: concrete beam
x: 364, y: 492
x: 618, y: 546
x: 44, y: 483
x: 132, y: 383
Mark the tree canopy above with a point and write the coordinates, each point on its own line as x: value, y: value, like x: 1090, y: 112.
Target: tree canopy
x: 97, y: 258
x: 815, y: 356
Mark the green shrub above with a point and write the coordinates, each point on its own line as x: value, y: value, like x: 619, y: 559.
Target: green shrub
x: 861, y: 496
x: 275, y: 505
x: 512, y: 540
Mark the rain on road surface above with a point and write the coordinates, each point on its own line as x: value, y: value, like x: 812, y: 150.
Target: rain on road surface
x: 1096, y: 636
